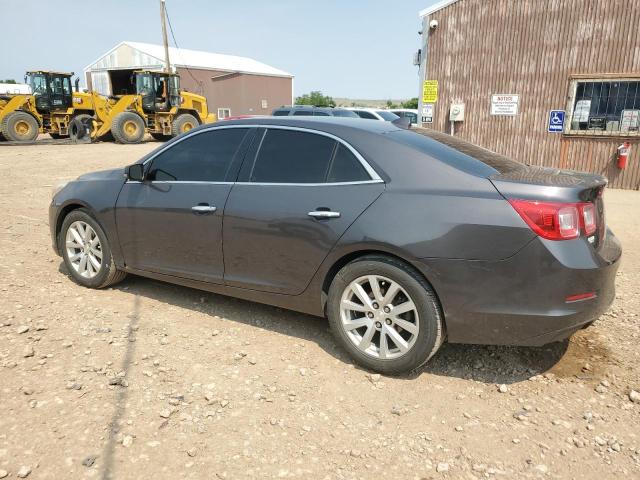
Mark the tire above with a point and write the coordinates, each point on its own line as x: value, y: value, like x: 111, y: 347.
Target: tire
x: 160, y: 137
x: 107, y: 273
x: 424, y: 326
x: 183, y: 123
x: 80, y: 128
x: 128, y: 128
x: 20, y: 127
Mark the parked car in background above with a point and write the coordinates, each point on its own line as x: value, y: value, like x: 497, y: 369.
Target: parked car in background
x: 374, y: 114
x: 410, y: 113
x: 403, y: 239
x: 381, y: 115
x: 310, y: 110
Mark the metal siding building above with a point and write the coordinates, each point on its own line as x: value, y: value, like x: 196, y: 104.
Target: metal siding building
x: 236, y: 85
x: 551, y: 53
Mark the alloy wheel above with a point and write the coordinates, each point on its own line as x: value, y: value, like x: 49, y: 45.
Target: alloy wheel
x: 84, y: 250
x: 379, y: 317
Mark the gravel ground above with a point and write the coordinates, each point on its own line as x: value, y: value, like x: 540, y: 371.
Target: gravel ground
x: 150, y: 380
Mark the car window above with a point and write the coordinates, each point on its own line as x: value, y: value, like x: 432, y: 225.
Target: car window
x: 344, y: 113
x: 303, y: 112
x: 367, y: 115
x: 388, y: 116
x: 280, y: 113
x: 203, y: 157
x: 345, y: 167
x: 288, y: 156
x: 318, y: 113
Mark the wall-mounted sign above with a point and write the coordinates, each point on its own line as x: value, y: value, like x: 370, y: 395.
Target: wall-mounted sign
x: 427, y: 113
x: 630, y: 121
x: 556, y: 121
x: 597, y: 123
x: 504, y: 104
x: 430, y: 91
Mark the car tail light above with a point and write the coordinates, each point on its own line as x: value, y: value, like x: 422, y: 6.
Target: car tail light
x: 557, y: 220
x: 588, y: 211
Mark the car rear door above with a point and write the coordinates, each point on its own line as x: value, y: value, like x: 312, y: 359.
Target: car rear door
x: 171, y: 223
x: 298, y: 192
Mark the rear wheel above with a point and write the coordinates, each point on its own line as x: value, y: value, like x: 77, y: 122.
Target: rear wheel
x: 128, y: 127
x: 385, y: 314
x: 20, y: 127
x: 86, y: 251
x: 183, y: 123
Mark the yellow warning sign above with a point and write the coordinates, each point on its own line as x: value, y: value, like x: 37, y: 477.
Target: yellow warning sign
x: 430, y: 91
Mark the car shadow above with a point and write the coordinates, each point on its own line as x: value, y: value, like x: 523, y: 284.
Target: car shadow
x: 482, y: 363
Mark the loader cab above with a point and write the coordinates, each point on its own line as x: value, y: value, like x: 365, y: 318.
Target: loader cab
x: 160, y: 91
x: 52, y: 90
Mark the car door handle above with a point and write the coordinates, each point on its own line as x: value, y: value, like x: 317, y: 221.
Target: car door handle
x: 324, y: 214
x: 201, y: 209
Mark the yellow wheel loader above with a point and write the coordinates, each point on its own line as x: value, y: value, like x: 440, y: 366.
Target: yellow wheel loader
x: 146, y: 102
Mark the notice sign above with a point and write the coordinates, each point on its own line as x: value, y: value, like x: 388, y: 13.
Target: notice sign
x: 427, y: 113
x: 430, y: 91
x: 504, y: 104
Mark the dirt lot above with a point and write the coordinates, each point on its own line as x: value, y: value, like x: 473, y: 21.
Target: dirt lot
x: 149, y: 380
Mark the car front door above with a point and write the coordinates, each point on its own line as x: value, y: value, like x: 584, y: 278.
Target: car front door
x: 298, y: 192
x: 171, y: 223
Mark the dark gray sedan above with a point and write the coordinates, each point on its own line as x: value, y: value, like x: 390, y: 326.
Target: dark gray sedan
x: 401, y: 238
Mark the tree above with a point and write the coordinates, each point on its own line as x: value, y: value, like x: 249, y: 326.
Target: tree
x: 9, y: 80
x: 315, y: 98
x: 390, y: 104
x: 413, y: 103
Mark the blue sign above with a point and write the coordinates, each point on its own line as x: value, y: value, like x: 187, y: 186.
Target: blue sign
x: 556, y: 121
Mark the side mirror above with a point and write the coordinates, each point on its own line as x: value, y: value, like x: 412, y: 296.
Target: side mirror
x: 135, y: 172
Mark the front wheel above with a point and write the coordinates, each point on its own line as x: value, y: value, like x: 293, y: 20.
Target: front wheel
x: 128, y: 128
x: 86, y: 251
x: 385, y: 315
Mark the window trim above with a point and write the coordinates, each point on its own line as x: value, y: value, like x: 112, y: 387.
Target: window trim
x: 223, y: 108
x: 373, y: 175
x: 571, y: 100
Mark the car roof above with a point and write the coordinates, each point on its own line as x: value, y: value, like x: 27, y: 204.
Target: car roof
x: 367, y: 109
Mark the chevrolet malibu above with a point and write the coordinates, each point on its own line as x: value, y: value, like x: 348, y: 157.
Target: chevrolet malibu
x: 402, y: 238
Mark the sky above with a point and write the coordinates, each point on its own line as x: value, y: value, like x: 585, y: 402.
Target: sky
x: 344, y: 48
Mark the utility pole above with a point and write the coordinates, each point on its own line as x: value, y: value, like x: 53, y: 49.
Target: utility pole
x: 163, y: 17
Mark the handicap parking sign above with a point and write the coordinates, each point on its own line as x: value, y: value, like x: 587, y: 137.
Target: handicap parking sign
x: 556, y: 121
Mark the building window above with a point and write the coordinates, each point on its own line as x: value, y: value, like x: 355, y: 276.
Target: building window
x: 224, y: 113
x: 604, y: 107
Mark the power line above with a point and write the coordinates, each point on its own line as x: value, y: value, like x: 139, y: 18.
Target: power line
x: 198, y: 82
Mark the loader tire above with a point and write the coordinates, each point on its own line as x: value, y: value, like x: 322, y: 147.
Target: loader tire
x: 183, y: 123
x: 20, y: 127
x: 80, y: 128
x: 128, y: 128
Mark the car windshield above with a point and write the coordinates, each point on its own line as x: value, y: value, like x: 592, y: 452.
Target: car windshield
x: 388, y: 116
x: 344, y: 113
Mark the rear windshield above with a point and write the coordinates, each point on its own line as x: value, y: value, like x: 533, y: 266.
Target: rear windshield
x: 494, y: 160
x: 388, y: 116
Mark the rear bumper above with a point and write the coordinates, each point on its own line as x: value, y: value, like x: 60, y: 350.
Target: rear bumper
x: 521, y: 300
x: 53, y: 221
